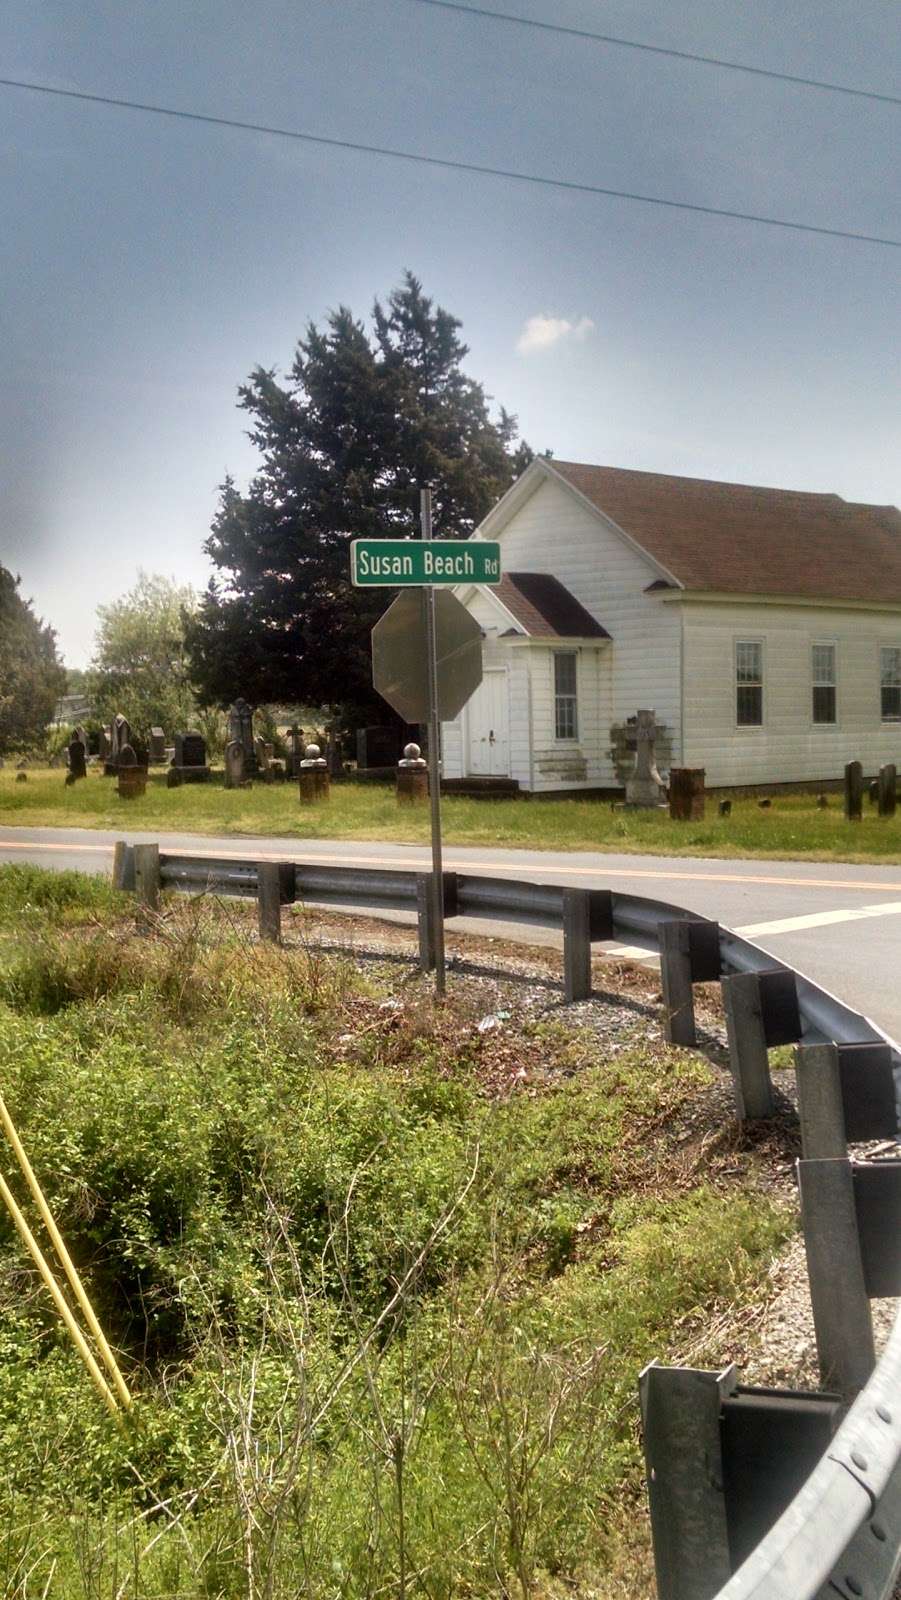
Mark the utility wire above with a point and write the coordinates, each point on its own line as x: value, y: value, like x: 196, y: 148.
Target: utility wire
x: 661, y: 50
x: 445, y: 162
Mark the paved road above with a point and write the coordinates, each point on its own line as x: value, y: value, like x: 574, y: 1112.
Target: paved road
x: 803, y: 912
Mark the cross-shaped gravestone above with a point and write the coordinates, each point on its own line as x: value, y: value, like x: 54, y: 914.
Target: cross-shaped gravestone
x: 645, y: 788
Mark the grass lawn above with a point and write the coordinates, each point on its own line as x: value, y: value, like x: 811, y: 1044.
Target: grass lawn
x: 381, y: 1281
x: 793, y: 828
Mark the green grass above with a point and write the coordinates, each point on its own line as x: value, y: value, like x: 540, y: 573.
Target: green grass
x: 792, y: 828
x: 383, y: 1325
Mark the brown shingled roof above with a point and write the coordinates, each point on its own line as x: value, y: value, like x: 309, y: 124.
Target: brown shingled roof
x: 545, y: 608
x: 737, y: 539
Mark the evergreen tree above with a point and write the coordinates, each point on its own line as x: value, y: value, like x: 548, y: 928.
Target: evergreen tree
x: 32, y: 677
x: 363, y: 423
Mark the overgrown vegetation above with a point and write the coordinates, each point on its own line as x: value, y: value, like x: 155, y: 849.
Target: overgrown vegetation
x: 382, y: 1282
x: 792, y: 828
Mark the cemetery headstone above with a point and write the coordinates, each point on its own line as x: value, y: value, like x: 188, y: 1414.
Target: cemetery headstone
x: 886, y: 785
x: 686, y: 794
x: 189, y: 760
x: 263, y: 754
x: 854, y: 791
x: 78, y: 767
x: 295, y: 750
x: 234, y: 765
x: 240, y: 727
x: 645, y: 787
x: 314, y: 777
x: 157, y: 748
x: 132, y: 779
x: 412, y: 777
x: 377, y: 747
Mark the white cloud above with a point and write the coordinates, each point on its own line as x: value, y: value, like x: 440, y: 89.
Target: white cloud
x: 541, y: 332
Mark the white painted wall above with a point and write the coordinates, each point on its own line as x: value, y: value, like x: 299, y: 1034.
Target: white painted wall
x: 789, y: 747
x: 553, y: 532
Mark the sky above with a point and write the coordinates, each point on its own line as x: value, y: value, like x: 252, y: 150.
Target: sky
x: 148, y: 265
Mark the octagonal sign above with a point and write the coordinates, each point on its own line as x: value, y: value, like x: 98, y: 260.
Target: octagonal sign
x: 400, y: 660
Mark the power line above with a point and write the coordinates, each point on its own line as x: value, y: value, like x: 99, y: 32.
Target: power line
x: 444, y: 162
x: 661, y: 50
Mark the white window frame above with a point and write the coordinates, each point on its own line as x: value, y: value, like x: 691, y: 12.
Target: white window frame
x: 815, y: 683
x: 566, y: 697
x: 760, y: 644
x: 883, y: 649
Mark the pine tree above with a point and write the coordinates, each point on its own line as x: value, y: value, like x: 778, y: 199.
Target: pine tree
x: 346, y: 444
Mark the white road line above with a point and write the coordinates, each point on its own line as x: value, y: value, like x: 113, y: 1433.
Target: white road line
x: 820, y: 919
x: 525, y: 869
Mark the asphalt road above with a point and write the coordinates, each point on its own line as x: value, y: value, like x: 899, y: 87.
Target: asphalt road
x: 838, y: 923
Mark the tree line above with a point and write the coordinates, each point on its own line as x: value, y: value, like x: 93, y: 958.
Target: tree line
x: 365, y: 418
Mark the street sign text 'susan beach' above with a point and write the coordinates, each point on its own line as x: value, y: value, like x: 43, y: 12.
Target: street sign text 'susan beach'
x: 395, y: 563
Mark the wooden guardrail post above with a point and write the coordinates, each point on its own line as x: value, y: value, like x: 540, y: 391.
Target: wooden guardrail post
x: 576, y: 944
x: 689, y: 954
x: 838, y: 1290
x: 846, y: 1094
x: 761, y: 1010
x: 147, y: 875
x: 120, y: 859
x: 276, y: 887
x: 820, y: 1102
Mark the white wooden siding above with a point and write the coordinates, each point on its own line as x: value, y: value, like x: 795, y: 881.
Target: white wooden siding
x: 553, y: 532
x: 790, y: 746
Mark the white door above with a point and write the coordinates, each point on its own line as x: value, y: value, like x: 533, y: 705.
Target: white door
x: 488, y: 722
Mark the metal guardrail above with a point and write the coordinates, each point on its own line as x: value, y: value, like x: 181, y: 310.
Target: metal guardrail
x: 841, y: 1532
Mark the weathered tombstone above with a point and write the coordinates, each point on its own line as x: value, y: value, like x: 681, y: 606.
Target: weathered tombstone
x: 314, y: 777
x: 234, y: 764
x: 240, y: 727
x: 873, y: 791
x: 77, y: 761
x: 104, y: 747
x: 645, y: 788
x: 189, y: 760
x: 725, y: 808
x: 157, y: 748
x: 377, y: 748
x: 132, y: 778
x: 295, y: 750
x: 263, y: 754
x: 412, y: 777
x: 886, y: 786
x: 686, y: 794
x: 335, y: 761
x: 854, y: 791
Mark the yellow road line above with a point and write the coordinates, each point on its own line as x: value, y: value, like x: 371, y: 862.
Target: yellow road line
x: 520, y: 869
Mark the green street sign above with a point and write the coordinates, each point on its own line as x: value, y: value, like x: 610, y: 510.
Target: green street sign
x: 398, y: 563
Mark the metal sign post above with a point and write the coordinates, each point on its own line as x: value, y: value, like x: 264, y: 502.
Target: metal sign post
x: 428, y: 603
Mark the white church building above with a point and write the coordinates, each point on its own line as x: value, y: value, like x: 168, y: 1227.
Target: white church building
x: 763, y: 627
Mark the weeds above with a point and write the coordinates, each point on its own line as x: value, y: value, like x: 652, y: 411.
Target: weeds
x: 382, y: 1318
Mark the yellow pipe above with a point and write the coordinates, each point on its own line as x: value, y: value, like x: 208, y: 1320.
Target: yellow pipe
x: 68, y: 1264
x: 61, y: 1305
